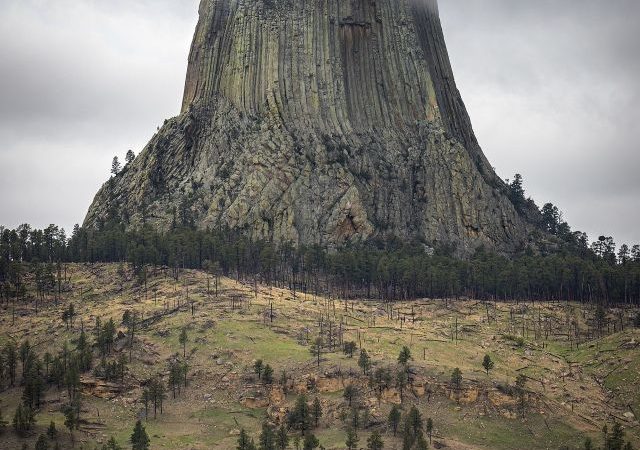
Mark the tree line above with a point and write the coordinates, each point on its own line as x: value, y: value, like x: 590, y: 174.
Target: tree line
x: 571, y: 270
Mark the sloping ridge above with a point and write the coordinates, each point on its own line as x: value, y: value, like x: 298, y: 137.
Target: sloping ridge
x: 319, y: 121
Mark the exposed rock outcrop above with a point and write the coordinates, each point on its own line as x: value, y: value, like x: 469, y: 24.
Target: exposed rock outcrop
x: 319, y: 121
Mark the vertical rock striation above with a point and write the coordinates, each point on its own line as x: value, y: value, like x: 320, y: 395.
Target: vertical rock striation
x: 319, y: 121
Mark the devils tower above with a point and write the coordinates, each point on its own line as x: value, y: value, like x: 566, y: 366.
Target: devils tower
x: 319, y: 121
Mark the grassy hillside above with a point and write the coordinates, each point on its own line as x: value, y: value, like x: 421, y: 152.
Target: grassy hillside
x: 572, y: 388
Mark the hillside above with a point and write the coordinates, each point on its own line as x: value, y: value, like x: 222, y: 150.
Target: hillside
x: 569, y: 393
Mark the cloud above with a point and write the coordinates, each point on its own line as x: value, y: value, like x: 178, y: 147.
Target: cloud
x: 552, y: 89
x: 82, y: 81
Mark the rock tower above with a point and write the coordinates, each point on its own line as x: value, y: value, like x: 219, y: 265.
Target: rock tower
x: 319, y: 121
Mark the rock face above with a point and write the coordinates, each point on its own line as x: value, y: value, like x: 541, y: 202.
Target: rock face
x: 319, y: 121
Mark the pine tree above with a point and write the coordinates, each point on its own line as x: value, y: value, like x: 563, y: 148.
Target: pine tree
x: 130, y: 157
x: 316, y: 411
x: 72, y: 380
x: 282, y: 438
x: 3, y: 367
x: 267, y: 374
x: 364, y: 362
x: 429, y: 428
x: 588, y: 444
x: 33, y: 386
x: 23, y: 419
x: 25, y: 354
x: 355, y: 418
x: 115, y: 166
x: 131, y: 331
x: 551, y: 218
x: 456, y: 379
x: 52, y: 432
x: 257, y: 368
x: 350, y: 393
x: 421, y: 443
x: 184, y: 369
x: 112, y: 444
x: 394, y: 419
x: 85, y: 354
x: 600, y: 317
x: 157, y: 393
x: 174, y: 377
x: 349, y: 348
x: 521, y: 393
x: 414, y: 421
x: 408, y: 438
x: 72, y: 417
x: 122, y: 367
x: 57, y: 372
x: 401, y: 383
x: 139, y: 439
x: 48, y: 359
x: 316, y: 349
x: 624, y: 254
x: 146, y: 398
x: 11, y: 360
x: 405, y: 356
x: 267, y: 437
x: 310, y: 442
x: 516, y: 192
x: 352, y: 439
x: 299, y: 417
x: 487, y: 363
x: 375, y: 441
x: 3, y: 423
x: 244, y: 442
x: 42, y: 443
x: 184, y: 338
x: 615, y: 439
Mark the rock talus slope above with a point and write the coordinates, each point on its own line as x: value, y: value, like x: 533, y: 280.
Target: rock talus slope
x: 319, y: 121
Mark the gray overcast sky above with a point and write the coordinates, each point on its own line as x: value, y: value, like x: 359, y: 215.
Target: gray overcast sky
x: 552, y: 88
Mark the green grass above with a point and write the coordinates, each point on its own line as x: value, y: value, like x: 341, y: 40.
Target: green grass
x: 238, y: 337
x: 496, y: 432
